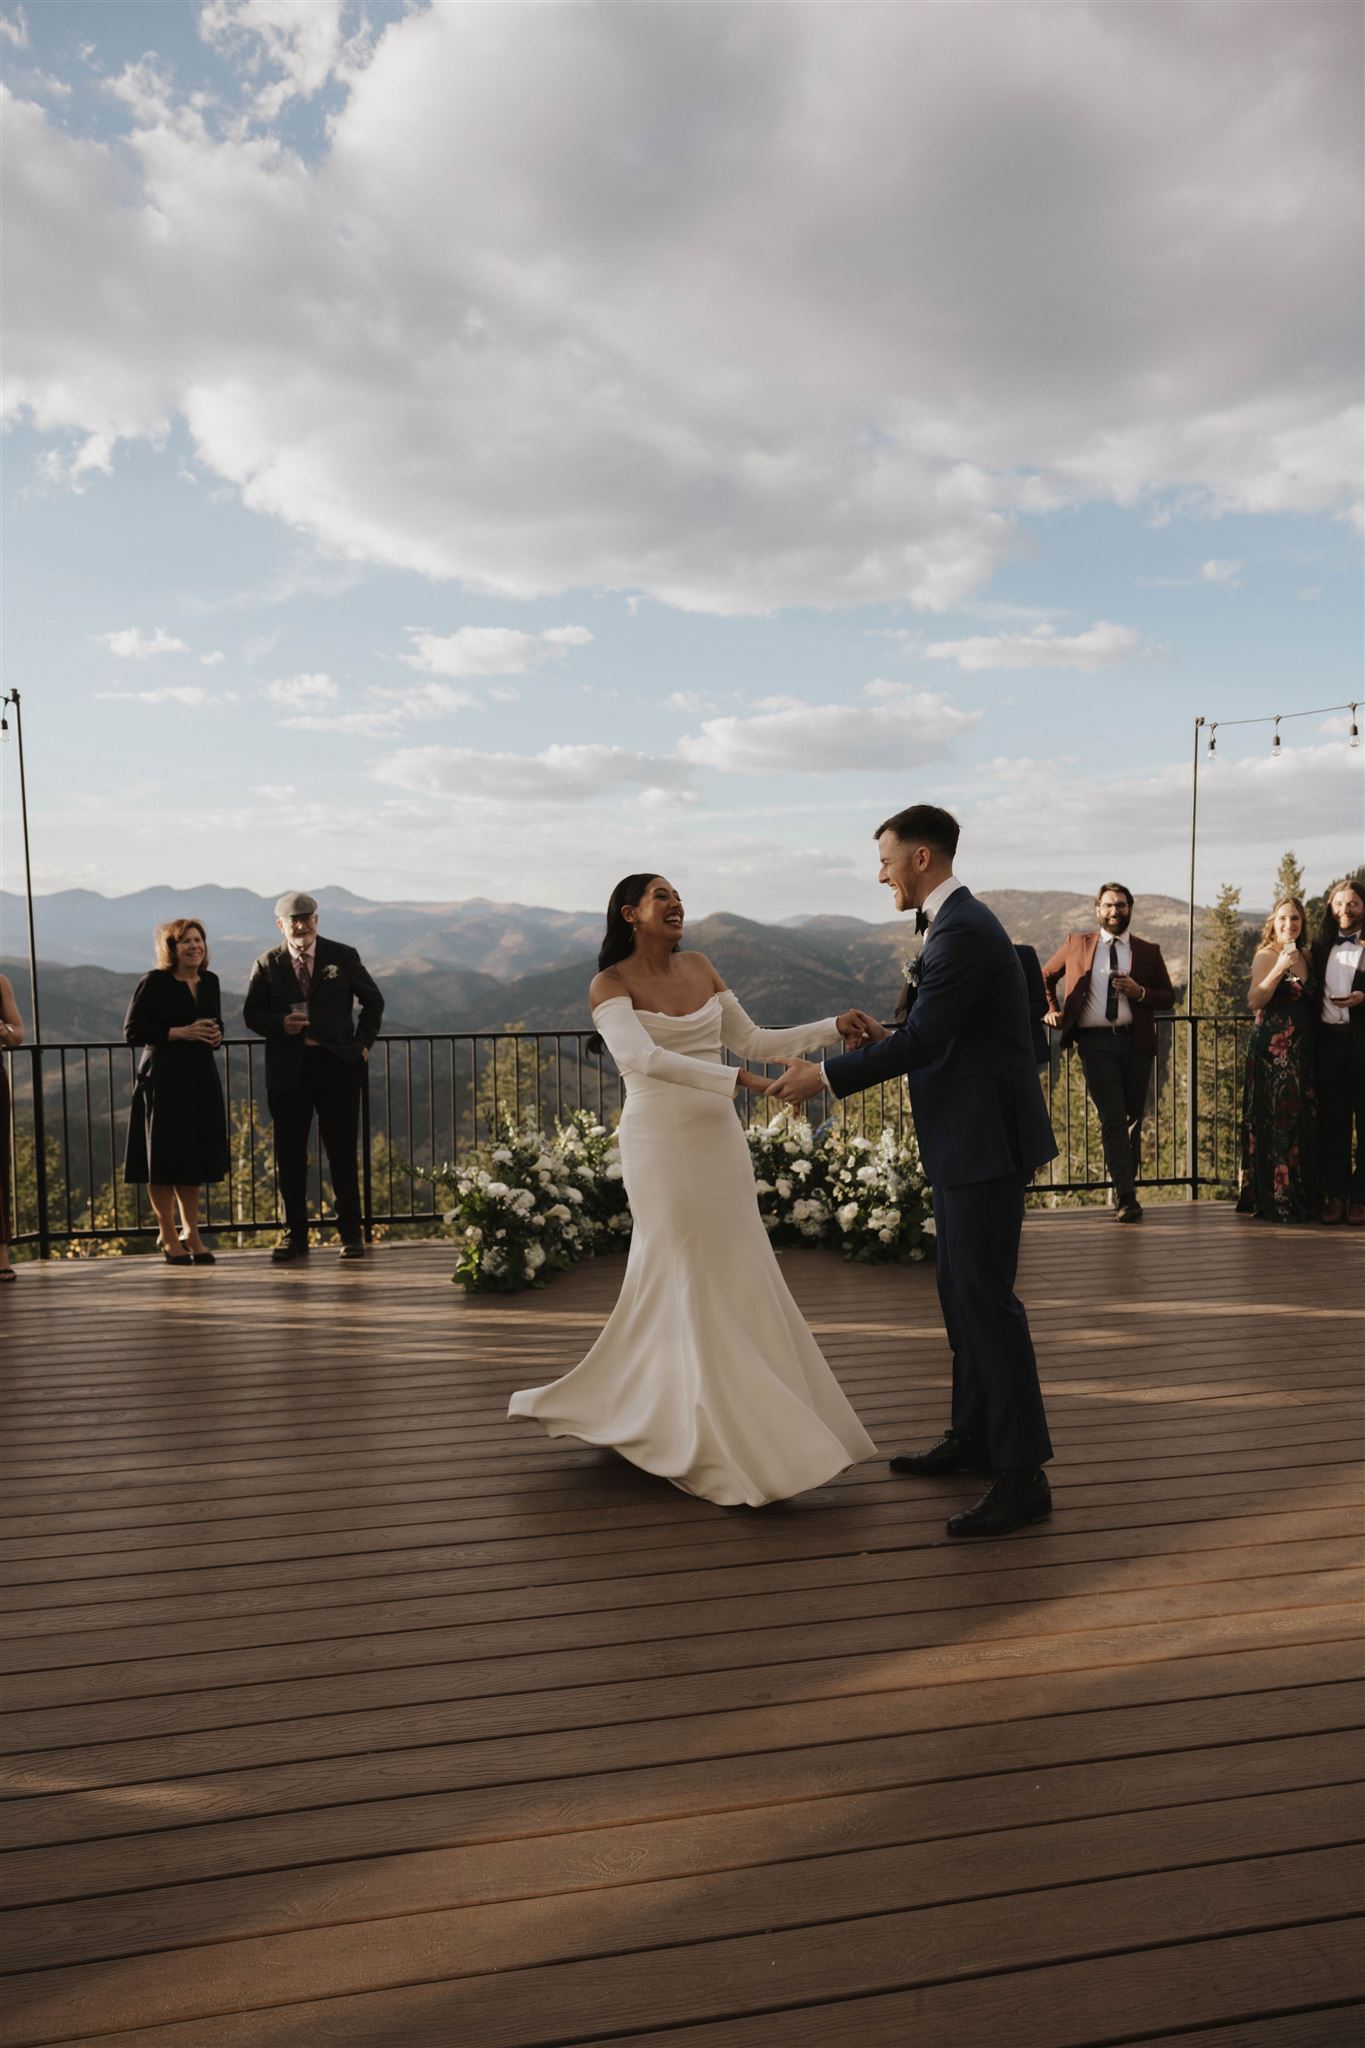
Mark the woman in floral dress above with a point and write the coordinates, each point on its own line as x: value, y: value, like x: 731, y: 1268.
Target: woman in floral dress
x: 1279, y: 1102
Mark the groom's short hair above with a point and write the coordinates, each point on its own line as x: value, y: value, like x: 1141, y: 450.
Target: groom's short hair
x: 924, y: 825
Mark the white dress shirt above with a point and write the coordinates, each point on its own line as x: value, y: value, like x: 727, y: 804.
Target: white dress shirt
x: 1343, y: 964
x: 1112, y: 956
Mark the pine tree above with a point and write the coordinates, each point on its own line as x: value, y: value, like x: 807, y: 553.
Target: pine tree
x: 1289, y: 879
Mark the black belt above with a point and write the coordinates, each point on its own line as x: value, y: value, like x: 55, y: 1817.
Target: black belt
x: 1106, y: 1027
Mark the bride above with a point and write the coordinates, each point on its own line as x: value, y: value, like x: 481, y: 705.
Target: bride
x: 706, y: 1373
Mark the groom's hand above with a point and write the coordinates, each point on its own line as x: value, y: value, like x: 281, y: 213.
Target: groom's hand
x: 798, y: 1084
x: 857, y: 1029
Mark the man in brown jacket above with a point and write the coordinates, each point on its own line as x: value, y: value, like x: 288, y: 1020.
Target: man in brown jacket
x: 1114, y: 986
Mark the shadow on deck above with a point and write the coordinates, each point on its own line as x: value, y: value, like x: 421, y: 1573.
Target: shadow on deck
x: 342, y: 1712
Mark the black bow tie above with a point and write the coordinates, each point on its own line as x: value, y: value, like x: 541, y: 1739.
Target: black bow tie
x: 921, y: 923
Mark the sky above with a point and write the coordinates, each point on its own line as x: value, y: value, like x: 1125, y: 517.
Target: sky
x: 482, y: 450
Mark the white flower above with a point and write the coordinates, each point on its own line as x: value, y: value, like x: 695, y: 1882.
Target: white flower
x: 887, y: 1236
x: 801, y: 1166
x: 848, y: 1215
x: 501, y: 1152
x: 474, y: 1234
x: 496, y: 1189
x: 543, y: 1165
x: 523, y: 1201
x: 784, y: 1189
x: 499, y: 1233
x: 560, y: 1212
x: 574, y: 1195
x: 866, y: 1174
x: 535, y: 1257
x: 537, y: 1223
x: 928, y: 1226
x: 597, y: 1131
x: 493, y: 1262
x: 613, y: 1170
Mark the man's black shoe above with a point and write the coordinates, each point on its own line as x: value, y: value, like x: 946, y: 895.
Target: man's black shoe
x: 1014, y: 1499
x: 952, y: 1453
x: 353, y: 1251
x: 285, y: 1254
x: 1129, y: 1211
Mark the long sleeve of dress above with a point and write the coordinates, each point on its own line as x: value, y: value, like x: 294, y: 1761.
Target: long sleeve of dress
x: 148, y: 1020
x: 741, y: 1035
x: 635, y: 1052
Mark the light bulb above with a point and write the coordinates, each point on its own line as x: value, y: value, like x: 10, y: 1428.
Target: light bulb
x: 1212, y: 741
x: 1275, y: 743
x: 1354, y: 740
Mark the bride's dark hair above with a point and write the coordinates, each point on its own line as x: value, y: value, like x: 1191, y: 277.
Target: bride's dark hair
x: 618, y: 938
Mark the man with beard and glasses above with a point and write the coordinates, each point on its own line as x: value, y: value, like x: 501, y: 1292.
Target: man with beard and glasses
x: 1115, y: 984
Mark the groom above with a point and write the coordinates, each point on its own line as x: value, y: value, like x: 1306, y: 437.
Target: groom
x: 966, y: 1050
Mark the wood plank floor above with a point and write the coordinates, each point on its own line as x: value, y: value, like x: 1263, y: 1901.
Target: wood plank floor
x: 340, y: 1713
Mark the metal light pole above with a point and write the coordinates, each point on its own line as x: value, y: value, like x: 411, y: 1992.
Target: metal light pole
x: 12, y: 697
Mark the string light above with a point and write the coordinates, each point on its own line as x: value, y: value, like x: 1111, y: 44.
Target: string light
x: 1354, y: 740
x: 1212, y: 741
x: 1275, y: 742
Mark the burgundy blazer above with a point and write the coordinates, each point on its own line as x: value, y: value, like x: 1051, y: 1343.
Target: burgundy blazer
x: 1073, y: 961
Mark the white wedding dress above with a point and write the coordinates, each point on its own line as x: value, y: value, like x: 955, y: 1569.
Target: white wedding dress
x: 706, y: 1373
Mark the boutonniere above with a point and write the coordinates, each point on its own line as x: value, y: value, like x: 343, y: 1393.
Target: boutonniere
x: 330, y: 973
x: 910, y: 970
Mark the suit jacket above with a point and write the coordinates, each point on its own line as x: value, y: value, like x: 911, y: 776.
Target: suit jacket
x: 340, y: 980
x: 1073, y: 961
x: 966, y: 1051
x: 1037, y: 1003
x: 1313, y: 1002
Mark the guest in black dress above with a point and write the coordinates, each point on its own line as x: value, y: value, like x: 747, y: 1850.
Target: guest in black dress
x: 1279, y: 1100
x: 177, y: 1134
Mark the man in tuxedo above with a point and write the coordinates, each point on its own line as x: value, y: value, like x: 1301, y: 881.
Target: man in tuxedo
x: 966, y: 1050
x: 300, y: 1000
x: 1115, y: 984
x: 1339, y: 970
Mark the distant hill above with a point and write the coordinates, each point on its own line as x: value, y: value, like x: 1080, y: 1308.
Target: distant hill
x: 536, y: 963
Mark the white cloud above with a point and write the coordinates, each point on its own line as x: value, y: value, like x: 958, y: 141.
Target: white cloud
x: 1220, y: 572
x: 187, y: 694
x: 424, y: 700
x: 370, y: 725
x: 901, y: 728
x: 565, y: 773
x: 690, y: 701
x: 131, y: 644
x: 295, y: 693
x: 1310, y: 592
x: 490, y: 650
x: 1057, y: 262
x: 14, y: 28
x: 213, y: 660
x: 1101, y: 647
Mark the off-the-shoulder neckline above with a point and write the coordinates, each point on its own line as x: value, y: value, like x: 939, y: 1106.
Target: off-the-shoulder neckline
x: 676, y: 1016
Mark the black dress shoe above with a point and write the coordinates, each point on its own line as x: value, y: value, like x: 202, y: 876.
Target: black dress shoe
x: 1129, y: 1210
x: 952, y: 1453
x: 1014, y: 1499
x: 353, y: 1251
x: 284, y: 1254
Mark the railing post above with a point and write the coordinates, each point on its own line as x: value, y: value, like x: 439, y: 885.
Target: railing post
x: 1192, y: 1108
x: 40, y: 1156
x: 366, y: 1163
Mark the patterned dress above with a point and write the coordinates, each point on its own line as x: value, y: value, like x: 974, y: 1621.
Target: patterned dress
x: 1279, y: 1113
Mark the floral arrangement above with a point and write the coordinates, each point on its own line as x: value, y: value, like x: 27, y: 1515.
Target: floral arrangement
x: 533, y: 1205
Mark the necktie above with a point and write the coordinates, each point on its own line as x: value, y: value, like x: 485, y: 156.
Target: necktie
x: 1111, y: 1000
x: 305, y: 975
x: 921, y: 923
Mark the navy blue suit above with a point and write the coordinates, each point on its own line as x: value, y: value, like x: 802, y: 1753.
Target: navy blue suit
x: 966, y: 1051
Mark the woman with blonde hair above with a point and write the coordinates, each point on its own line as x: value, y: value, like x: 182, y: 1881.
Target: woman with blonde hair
x: 1279, y: 1103
x: 177, y: 1134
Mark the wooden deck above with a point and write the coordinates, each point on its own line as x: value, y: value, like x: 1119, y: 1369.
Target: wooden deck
x: 345, y: 1715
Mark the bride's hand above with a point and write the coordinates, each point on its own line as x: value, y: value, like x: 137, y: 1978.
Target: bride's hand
x: 757, y: 1084
x: 857, y: 1029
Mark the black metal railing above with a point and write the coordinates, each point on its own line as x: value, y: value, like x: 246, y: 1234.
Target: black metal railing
x: 430, y: 1099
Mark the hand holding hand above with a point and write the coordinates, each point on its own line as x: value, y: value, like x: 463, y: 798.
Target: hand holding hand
x: 857, y: 1029
x: 757, y: 1084
x: 801, y: 1080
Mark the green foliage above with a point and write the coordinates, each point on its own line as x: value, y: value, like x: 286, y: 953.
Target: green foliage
x: 1289, y: 879
x: 522, y: 1211
x: 1220, y: 981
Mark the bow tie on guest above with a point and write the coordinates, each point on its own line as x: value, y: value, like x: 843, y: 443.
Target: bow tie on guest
x: 921, y: 923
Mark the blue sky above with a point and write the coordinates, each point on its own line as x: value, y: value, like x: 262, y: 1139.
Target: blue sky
x: 483, y: 450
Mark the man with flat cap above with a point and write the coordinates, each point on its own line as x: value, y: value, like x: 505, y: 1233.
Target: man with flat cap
x: 301, y: 1000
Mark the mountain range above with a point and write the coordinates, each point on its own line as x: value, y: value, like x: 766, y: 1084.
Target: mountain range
x: 483, y: 966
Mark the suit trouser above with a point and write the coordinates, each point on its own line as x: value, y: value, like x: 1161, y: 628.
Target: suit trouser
x: 1341, y: 1111
x: 996, y: 1396
x: 329, y: 1088
x: 1118, y: 1078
